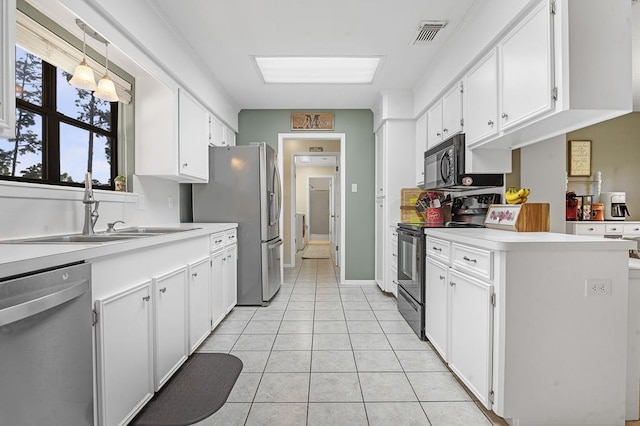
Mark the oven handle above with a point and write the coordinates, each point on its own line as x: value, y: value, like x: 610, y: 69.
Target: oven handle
x: 413, y: 305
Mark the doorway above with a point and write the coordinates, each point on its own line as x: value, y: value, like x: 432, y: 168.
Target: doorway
x: 313, y: 145
x: 319, y: 207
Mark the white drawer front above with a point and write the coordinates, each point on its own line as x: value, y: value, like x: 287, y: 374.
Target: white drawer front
x: 590, y: 229
x: 477, y: 262
x: 230, y: 236
x: 438, y: 249
x: 631, y: 229
x: 216, y: 241
x: 613, y: 228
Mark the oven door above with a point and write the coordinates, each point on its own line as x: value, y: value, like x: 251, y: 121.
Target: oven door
x: 411, y: 256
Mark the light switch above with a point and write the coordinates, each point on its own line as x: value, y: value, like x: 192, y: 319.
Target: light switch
x: 354, y: 187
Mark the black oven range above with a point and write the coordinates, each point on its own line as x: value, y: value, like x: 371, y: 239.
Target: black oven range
x: 466, y: 212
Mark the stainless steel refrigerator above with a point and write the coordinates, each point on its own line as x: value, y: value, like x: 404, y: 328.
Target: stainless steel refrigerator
x: 244, y: 187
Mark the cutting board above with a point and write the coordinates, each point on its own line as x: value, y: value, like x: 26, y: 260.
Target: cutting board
x: 527, y: 217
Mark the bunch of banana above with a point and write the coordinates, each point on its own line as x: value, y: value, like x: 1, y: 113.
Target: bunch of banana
x: 512, y: 196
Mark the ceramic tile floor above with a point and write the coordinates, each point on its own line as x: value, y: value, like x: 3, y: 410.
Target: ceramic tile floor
x: 323, y: 354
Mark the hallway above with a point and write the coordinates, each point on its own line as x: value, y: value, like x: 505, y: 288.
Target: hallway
x: 321, y: 354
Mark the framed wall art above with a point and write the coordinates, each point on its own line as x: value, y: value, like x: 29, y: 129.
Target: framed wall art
x: 579, y: 158
x: 312, y: 120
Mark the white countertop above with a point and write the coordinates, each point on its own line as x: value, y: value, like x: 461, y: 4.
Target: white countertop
x: 634, y: 267
x: 494, y: 239
x: 23, y: 258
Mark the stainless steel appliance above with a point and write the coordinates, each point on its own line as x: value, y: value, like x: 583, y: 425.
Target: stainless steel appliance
x: 444, y: 168
x: 46, y: 375
x: 411, y: 285
x: 468, y: 211
x: 615, y: 205
x: 244, y: 187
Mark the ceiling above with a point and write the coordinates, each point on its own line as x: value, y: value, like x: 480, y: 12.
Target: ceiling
x: 225, y: 36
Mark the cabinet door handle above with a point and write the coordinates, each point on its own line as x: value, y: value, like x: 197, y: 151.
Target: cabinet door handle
x: 636, y: 229
x: 438, y: 134
x: 229, y: 257
x: 442, y: 277
x: 590, y: 229
x: 451, y: 283
x: 445, y: 130
x: 394, y: 255
x: 184, y: 165
x: 395, y: 234
x: 470, y: 260
x: 224, y: 259
x: 505, y: 115
x: 163, y: 290
x: 195, y: 274
x: 395, y: 282
x: 146, y: 298
x: 490, y: 122
x: 614, y: 229
x: 436, y: 248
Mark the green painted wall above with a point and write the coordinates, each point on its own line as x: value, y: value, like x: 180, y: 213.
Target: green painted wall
x: 265, y: 125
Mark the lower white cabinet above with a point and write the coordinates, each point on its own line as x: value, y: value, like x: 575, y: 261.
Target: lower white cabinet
x: 218, y: 303
x: 124, y: 353
x: 230, y: 274
x: 170, y: 324
x: 199, y: 302
x: 436, y: 309
x: 224, y: 275
x: 471, y: 333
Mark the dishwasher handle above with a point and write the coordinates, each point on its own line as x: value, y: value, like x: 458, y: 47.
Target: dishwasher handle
x: 33, y: 307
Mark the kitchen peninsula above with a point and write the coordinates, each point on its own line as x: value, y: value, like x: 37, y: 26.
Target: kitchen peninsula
x: 535, y: 324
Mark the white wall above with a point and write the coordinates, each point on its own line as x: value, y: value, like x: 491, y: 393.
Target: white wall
x: 542, y: 169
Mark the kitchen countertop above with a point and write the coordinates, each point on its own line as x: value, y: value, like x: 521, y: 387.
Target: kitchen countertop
x: 507, y: 240
x: 21, y: 258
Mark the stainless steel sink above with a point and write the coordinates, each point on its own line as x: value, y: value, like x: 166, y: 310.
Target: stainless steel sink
x: 79, y: 238
x: 149, y: 230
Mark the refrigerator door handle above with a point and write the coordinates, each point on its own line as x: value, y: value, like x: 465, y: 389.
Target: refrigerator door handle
x: 278, y: 187
x: 276, y: 244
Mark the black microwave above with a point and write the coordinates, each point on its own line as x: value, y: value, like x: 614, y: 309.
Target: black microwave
x: 444, y: 169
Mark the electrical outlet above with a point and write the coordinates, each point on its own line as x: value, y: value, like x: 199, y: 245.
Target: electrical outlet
x: 597, y: 287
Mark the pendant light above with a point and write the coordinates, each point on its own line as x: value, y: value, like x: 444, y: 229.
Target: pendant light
x: 106, y: 89
x: 83, y: 77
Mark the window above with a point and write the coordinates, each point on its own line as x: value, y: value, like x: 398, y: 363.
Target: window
x: 61, y: 132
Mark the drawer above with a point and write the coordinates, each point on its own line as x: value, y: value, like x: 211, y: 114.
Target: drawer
x: 590, y: 229
x: 437, y: 249
x: 475, y: 261
x: 631, y: 229
x: 231, y: 236
x: 613, y: 228
x: 216, y: 241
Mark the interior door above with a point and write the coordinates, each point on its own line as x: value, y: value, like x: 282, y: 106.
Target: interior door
x: 336, y: 212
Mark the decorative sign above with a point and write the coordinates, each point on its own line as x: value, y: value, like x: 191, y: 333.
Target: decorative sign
x: 500, y: 215
x: 316, y: 149
x: 312, y: 120
x: 579, y: 155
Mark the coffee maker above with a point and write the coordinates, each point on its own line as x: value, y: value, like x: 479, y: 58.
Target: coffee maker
x: 615, y: 207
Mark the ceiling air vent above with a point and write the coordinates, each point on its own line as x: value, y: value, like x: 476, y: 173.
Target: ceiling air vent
x: 427, y: 31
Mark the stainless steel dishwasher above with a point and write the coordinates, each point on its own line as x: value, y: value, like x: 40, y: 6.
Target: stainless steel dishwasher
x: 46, y: 375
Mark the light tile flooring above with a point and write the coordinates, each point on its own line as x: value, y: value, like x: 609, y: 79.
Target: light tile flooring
x: 323, y: 354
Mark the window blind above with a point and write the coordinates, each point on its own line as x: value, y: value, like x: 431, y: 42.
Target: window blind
x: 47, y: 45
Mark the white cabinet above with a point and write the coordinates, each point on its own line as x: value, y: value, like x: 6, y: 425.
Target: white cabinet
x: 392, y: 270
x: 219, y: 134
x: 124, y: 354
x: 199, y: 302
x: 459, y: 311
x: 395, y: 146
x: 471, y: 333
x: 193, y: 137
x: 224, y: 275
x: 421, y: 147
x: 601, y: 228
x: 170, y: 324
x: 436, y: 306
x: 481, y: 99
x: 7, y: 68
x: 526, y: 69
x: 444, y: 118
x: 172, y: 132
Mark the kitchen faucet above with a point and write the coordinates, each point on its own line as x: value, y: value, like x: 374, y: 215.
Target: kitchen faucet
x: 90, y: 213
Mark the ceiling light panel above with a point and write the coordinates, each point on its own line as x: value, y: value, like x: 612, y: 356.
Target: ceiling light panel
x: 318, y: 70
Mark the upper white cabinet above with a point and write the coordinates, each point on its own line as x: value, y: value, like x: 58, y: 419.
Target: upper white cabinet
x: 526, y: 77
x: 7, y: 68
x: 421, y: 147
x: 219, y: 134
x: 444, y: 118
x: 481, y: 99
x: 172, y: 133
x: 550, y: 73
x: 193, y: 135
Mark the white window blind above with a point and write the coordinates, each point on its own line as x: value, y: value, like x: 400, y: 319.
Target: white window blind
x: 40, y: 41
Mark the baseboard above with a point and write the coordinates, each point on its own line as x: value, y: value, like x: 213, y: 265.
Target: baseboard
x: 360, y: 283
x: 287, y: 265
